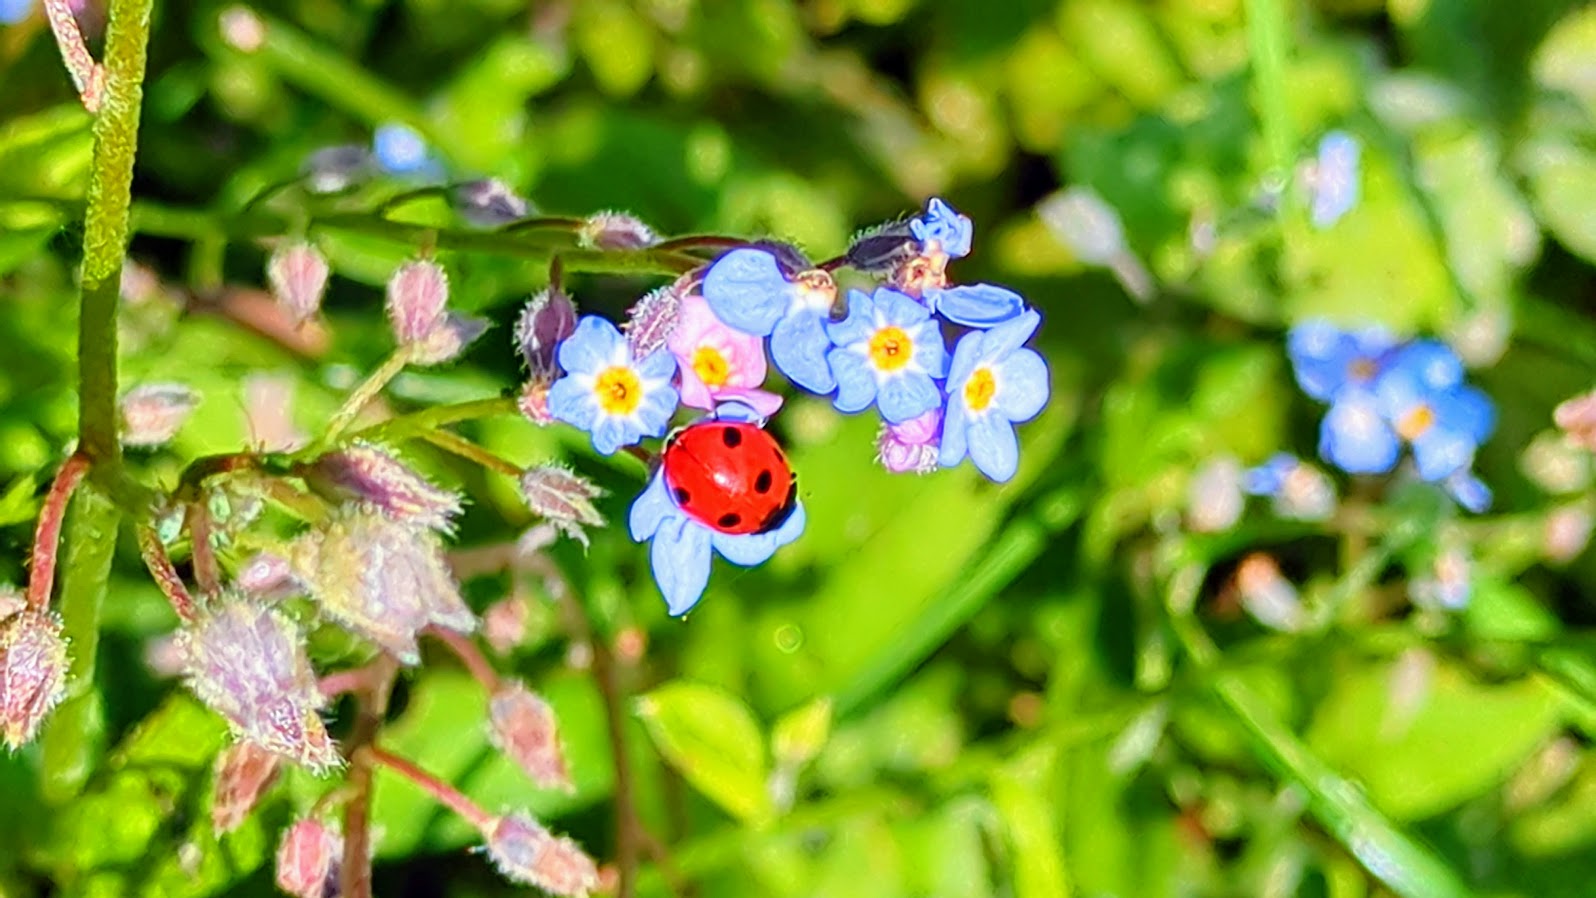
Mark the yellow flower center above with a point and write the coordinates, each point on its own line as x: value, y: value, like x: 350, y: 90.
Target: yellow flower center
x: 979, y: 390
x: 711, y: 366
x: 619, y: 391
x: 1362, y: 370
x: 1416, y: 422
x: 890, y: 349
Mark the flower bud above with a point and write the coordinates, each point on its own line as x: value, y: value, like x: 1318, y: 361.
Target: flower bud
x: 504, y: 624
x: 268, y: 413
x: 309, y: 859
x: 651, y: 320
x: 912, y: 446
x: 882, y: 249
x: 489, y: 203
x: 248, y: 664
x: 244, y: 771
x: 163, y: 655
x: 522, y: 725
x: 1214, y: 499
x: 548, y: 318
x: 401, y: 150
x: 1567, y: 533
x: 790, y: 259
x: 381, y: 578
x: 33, y: 665
x: 1449, y: 585
x: 336, y: 169
x: 365, y: 473
x: 563, y: 497
x: 267, y: 576
x: 526, y: 852
x: 297, y: 274
x: 241, y: 29
x: 1268, y: 596
x: 1577, y: 418
x: 446, y: 341
x: 152, y: 414
x: 617, y: 231
x: 417, y: 295
x: 534, y: 402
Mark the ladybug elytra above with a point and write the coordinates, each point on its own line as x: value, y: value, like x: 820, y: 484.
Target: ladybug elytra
x: 730, y: 476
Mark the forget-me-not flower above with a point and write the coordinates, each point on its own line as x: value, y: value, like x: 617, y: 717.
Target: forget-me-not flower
x: 1444, y: 426
x: 1334, y: 177
x: 1326, y: 359
x: 1356, y: 437
x: 1299, y: 490
x: 888, y: 350
x: 617, y: 399
x: 401, y: 150
x: 943, y: 229
x: 747, y: 289
x: 993, y: 383
x: 718, y: 363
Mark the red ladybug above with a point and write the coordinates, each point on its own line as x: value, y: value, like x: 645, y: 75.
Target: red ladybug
x: 730, y: 476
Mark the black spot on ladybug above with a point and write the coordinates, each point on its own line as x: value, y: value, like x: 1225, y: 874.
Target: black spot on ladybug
x: 763, y: 482
x: 731, y: 437
x: 730, y: 519
x: 682, y: 498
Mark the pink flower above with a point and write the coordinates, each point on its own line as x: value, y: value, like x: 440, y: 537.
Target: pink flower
x: 718, y: 363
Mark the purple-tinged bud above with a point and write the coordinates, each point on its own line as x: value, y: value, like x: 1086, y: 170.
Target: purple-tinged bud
x: 33, y: 666
x: 309, y: 859
x: 489, y: 203
x: 248, y: 664
x: 448, y: 340
x: 1214, y: 499
x: 152, y: 414
x: 1268, y: 596
x: 298, y: 274
x: 244, y: 771
x: 564, y: 498
x: 912, y: 446
x: 525, y: 852
x: 548, y: 318
x: 12, y: 601
x: 417, y: 296
x: 267, y: 577
x: 522, y: 725
x: 139, y: 284
x: 381, y: 578
x: 336, y: 169
x: 1567, y: 533
x: 617, y: 231
x: 651, y: 321
x: 1576, y: 417
x: 504, y: 624
x: 534, y: 402
x: 364, y: 473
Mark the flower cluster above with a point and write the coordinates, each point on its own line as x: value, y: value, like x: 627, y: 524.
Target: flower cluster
x: 707, y: 342
x: 1385, y: 394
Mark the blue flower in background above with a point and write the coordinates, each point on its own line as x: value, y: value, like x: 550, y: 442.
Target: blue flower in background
x: 1336, y: 172
x: 680, y: 549
x: 1469, y: 491
x: 1300, y: 491
x: 941, y: 227
x: 1355, y: 437
x: 887, y: 351
x: 401, y: 150
x: 747, y: 289
x: 1444, y: 426
x: 608, y: 394
x: 1269, y: 478
x: 994, y: 383
x: 1325, y: 358
x: 14, y: 11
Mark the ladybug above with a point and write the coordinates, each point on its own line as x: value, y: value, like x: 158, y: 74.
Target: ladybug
x: 730, y: 476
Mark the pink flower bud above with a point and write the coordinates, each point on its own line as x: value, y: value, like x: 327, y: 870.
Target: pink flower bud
x: 522, y: 726
x: 381, y: 578
x: 33, y: 665
x: 1567, y: 533
x: 563, y: 497
x: 1577, y: 417
x: 153, y: 413
x: 526, y: 852
x: 446, y: 341
x: 652, y: 320
x: 616, y: 230
x: 1214, y: 500
x: 309, y: 858
x: 241, y: 29
x: 164, y: 656
x: 244, y: 771
x: 297, y: 274
x: 911, y: 447
x: 504, y: 624
x: 267, y: 576
x: 417, y: 295
x: 248, y: 664
x: 488, y: 203
x: 365, y: 473
x: 1268, y: 596
x: 534, y: 401
x: 547, y: 319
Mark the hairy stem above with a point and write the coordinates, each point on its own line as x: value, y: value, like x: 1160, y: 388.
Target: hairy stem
x: 405, y: 427
x: 455, y: 444
x: 364, y: 394
x: 47, y: 537
x: 355, y: 875
x: 165, y: 575
x: 87, y: 76
x: 463, y: 648
x: 447, y: 795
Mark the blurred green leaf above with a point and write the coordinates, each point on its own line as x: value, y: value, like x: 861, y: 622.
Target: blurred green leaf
x: 1022, y: 793
x: 713, y: 739
x: 800, y: 734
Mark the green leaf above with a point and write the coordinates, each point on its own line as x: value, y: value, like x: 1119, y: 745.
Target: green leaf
x: 712, y: 738
x: 1562, y: 177
x: 1022, y: 791
x: 800, y: 734
x: 1563, y: 62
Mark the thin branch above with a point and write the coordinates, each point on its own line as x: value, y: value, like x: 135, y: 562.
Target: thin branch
x: 446, y: 795
x: 47, y: 536
x: 355, y: 876
x: 455, y: 444
x: 207, y: 571
x: 87, y: 75
x: 363, y: 394
x: 463, y: 648
x: 166, y: 576
x: 405, y: 427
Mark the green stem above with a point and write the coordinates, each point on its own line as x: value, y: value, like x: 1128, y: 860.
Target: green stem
x: 458, y: 445
x: 405, y: 427
x: 363, y: 395
x: 1268, y: 43
x: 105, y: 228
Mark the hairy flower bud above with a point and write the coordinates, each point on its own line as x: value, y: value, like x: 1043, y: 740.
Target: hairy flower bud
x: 564, y: 497
x: 651, y: 321
x: 248, y: 664
x: 616, y: 230
x: 297, y: 273
x: 526, y: 852
x: 489, y: 203
x: 504, y: 623
x: 882, y: 249
x: 1214, y: 499
x: 381, y: 578
x: 911, y: 446
x: 267, y: 576
x: 308, y: 859
x: 547, y: 319
x: 153, y: 413
x: 534, y: 402
x: 1567, y: 532
x: 417, y: 296
x: 522, y: 725
x: 244, y: 771
x: 446, y: 341
x: 365, y: 473
x: 33, y: 665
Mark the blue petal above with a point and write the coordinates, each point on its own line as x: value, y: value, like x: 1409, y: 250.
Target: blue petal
x: 858, y: 326
x: 1336, y: 179
x: 1440, y: 452
x: 1355, y: 438
x: 993, y: 447
x: 976, y: 305
x: 1432, y: 363
x: 954, y: 439
x: 966, y: 355
x: 651, y: 506
x: 738, y: 411
x: 680, y: 559
x: 798, y: 347
x: 900, y: 308
x: 929, y: 349
x: 591, y: 347
x: 1469, y: 491
x: 952, y: 231
x: 904, y: 396
x: 1023, y: 386
x: 1468, y: 411
x: 746, y: 290
x: 855, y: 382
x: 659, y: 365
x: 655, y: 413
x: 1270, y: 477
x: 749, y: 549
x: 610, y: 433
x: 573, y: 403
x: 1009, y: 336
x: 1399, y: 392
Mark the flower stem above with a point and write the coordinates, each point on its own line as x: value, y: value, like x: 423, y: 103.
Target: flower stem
x: 447, y: 795
x: 405, y: 427
x: 166, y: 576
x: 355, y: 878
x: 364, y: 394
x: 87, y: 76
x: 47, y: 537
x: 207, y: 572
x: 1268, y: 43
x: 469, y: 655
x: 458, y: 445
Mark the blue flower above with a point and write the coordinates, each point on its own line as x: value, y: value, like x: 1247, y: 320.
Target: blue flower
x: 1355, y: 437
x: 993, y: 383
x: 1469, y: 491
x: 1300, y: 491
x: 942, y: 228
x: 609, y: 394
x: 1326, y: 358
x: 680, y: 551
x: 1269, y: 478
x: 1444, y: 426
x: 887, y: 351
x: 400, y: 150
x: 14, y: 11
x: 974, y: 305
x: 747, y: 290
x: 1335, y: 174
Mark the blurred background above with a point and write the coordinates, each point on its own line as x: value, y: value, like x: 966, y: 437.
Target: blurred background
x: 1112, y: 676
